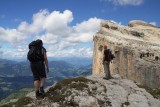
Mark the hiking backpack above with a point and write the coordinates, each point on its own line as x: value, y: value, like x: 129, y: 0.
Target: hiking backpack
x: 108, y: 55
x: 35, y: 53
x: 112, y: 56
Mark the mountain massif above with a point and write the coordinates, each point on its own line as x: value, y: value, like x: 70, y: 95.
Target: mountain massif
x: 136, y: 48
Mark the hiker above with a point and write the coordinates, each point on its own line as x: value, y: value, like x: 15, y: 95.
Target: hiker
x: 156, y: 58
x: 107, y: 57
x: 37, y: 56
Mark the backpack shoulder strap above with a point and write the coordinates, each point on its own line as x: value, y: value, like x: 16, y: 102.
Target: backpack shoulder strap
x: 43, y: 50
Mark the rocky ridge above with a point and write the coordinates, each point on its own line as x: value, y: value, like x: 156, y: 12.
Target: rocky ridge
x: 92, y: 91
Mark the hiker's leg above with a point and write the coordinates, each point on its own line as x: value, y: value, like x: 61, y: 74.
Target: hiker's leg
x: 36, y: 77
x: 109, y: 73
x: 106, y: 69
x: 42, y: 81
x: 41, y: 89
x: 36, y: 85
x: 42, y: 74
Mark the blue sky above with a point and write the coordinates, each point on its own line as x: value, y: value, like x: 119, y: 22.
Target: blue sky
x: 66, y: 26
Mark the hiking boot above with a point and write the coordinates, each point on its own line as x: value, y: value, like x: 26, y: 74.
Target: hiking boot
x: 41, y: 89
x: 111, y: 77
x: 38, y: 95
x: 105, y: 78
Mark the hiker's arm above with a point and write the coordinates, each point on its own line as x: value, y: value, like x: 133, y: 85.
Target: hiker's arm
x: 46, y: 61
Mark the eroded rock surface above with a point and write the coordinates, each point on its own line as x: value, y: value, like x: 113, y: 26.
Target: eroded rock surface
x: 135, y: 47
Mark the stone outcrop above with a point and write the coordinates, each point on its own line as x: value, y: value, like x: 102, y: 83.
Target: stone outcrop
x: 92, y: 91
x: 135, y: 47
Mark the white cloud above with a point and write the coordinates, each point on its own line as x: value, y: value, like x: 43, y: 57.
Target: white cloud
x: 65, y: 45
x: 54, y: 22
x: 84, y: 31
x: 37, y: 25
x: 125, y: 2
x: 80, y: 37
x: 60, y: 39
x: 60, y: 36
x: 11, y: 36
x: 48, y: 38
x: 116, y: 22
x: 90, y: 25
x: 16, y: 53
x: 153, y: 23
x: 57, y: 22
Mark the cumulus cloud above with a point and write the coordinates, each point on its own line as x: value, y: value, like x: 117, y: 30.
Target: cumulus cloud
x: 88, y: 26
x: 153, y: 23
x: 55, y: 31
x: 57, y: 22
x: 54, y: 22
x: 36, y: 26
x: 48, y: 38
x: 83, y: 32
x: 65, y: 45
x: 61, y: 36
x: 11, y: 35
x: 125, y: 2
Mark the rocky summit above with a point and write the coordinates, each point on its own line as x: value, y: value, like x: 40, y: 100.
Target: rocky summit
x: 92, y: 91
x: 136, y: 48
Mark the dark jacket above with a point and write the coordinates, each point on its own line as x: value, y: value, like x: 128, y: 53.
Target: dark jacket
x: 108, y: 56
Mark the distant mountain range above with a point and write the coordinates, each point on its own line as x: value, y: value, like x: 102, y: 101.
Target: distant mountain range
x: 9, y: 68
x: 74, y: 61
x: 13, y: 68
x: 16, y: 75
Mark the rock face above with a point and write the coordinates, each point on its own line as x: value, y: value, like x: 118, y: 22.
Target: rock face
x: 135, y: 47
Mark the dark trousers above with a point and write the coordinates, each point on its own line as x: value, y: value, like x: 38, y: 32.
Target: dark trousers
x: 107, y: 69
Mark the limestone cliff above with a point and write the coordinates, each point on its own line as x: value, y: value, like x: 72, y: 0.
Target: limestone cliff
x: 135, y: 47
